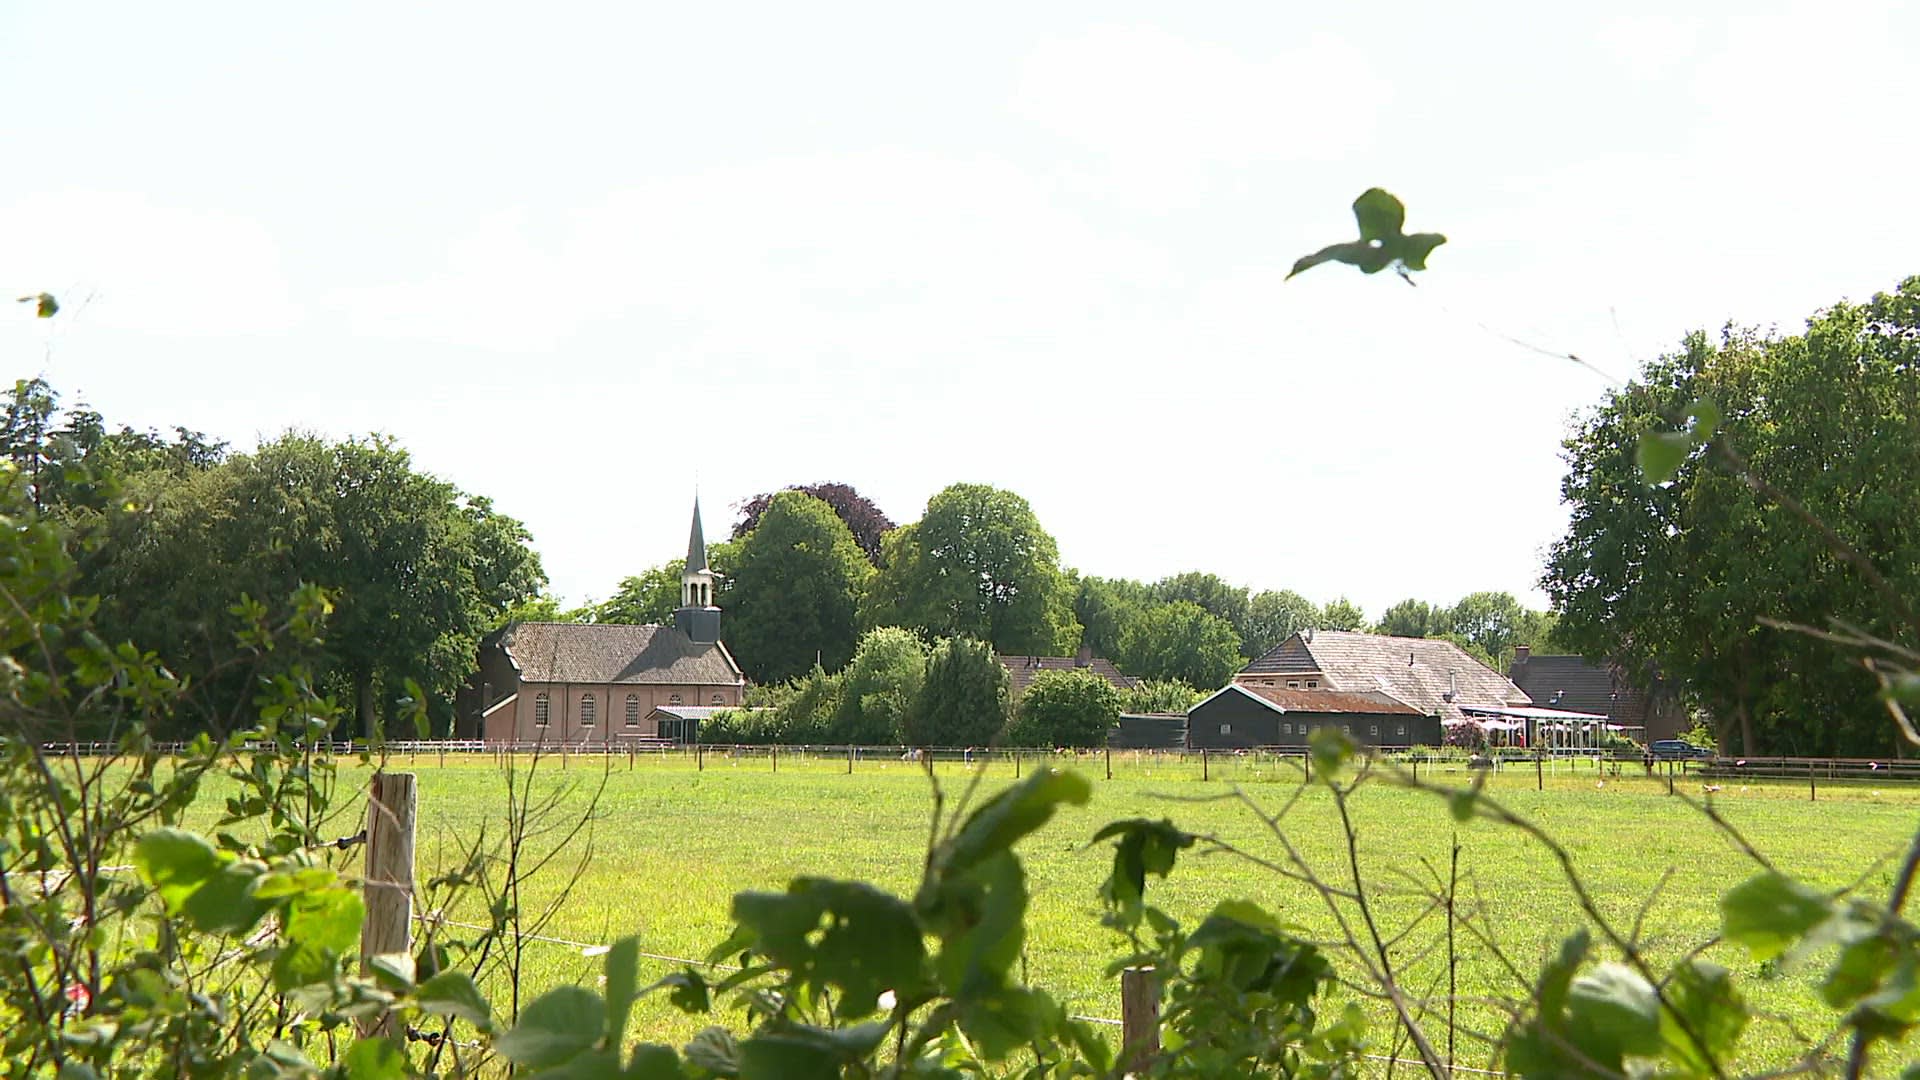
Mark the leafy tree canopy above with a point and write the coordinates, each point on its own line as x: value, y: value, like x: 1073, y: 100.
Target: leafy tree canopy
x: 795, y: 581
x: 1229, y: 603
x: 417, y: 570
x: 1182, y: 641
x: 1677, y: 577
x: 881, y: 684
x: 964, y: 698
x: 1273, y: 616
x: 978, y: 564
x: 1066, y: 708
x: 1342, y: 614
x: 865, y: 520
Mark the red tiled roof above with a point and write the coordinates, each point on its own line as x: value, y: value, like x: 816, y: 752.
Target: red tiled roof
x: 1330, y: 701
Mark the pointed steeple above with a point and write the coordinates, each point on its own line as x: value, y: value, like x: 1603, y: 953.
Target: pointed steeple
x: 696, y: 541
x: 697, y: 617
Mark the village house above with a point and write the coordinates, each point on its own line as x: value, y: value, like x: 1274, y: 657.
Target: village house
x: 1435, y: 677
x: 574, y: 683
x: 1024, y: 668
x: 1573, y: 683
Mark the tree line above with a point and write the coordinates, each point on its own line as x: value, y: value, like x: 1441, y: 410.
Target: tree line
x: 809, y: 569
x: 1700, y: 580
x: 187, y: 542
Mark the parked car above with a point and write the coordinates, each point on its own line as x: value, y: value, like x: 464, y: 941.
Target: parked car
x: 1668, y: 749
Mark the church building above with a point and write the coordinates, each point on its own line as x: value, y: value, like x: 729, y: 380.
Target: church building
x: 574, y: 683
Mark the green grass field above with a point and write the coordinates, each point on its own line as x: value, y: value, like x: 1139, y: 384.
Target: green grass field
x: 672, y: 844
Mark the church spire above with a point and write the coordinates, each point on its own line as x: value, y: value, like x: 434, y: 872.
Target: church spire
x: 697, y: 616
x: 696, y: 541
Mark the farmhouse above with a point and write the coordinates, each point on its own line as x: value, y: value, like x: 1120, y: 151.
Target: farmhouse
x: 1240, y: 717
x: 574, y: 683
x: 1571, y: 682
x: 1436, y: 678
x: 1024, y: 668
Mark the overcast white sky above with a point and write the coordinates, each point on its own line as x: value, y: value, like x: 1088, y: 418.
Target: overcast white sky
x: 579, y: 257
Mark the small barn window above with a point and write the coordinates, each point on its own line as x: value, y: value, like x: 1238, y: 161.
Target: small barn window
x: 1401, y: 731
x: 719, y: 699
x: 586, y: 711
x: 633, y: 710
x: 673, y: 699
x: 1375, y: 731
x: 1226, y: 729
x: 540, y: 710
x: 1286, y: 729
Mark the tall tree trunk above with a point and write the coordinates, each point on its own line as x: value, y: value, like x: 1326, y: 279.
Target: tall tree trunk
x: 1746, y: 730
x: 363, y: 700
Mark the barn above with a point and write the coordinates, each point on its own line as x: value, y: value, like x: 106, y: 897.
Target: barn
x: 1240, y: 717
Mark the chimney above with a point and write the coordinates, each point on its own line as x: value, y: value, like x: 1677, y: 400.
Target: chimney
x: 1083, y: 658
x: 1520, y: 654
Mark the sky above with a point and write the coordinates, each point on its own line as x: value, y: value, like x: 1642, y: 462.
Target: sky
x: 584, y: 259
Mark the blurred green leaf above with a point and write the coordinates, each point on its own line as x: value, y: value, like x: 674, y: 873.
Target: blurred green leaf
x: 623, y: 985
x: 1381, y: 217
x: 1703, y: 995
x: 375, y: 1058
x: 1769, y: 912
x: 453, y: 992
x: 1143, y: 847
x: 175, y: 862
x: 558, y: 1025
x: 1614, y: 1012
x: 715, y: 1050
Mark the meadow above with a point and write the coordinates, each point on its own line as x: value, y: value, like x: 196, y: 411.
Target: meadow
x: 670, y: 843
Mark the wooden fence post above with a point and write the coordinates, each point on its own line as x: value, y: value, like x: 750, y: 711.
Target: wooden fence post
x: 1539, y: 773
x: 1016, y: 764
x: 1139, y: 1017
x: 1811, y: 797
x: 699, y: 759
x: 388, y: 885
x: 1109, y: 755
x: 849, y: 759
x: 776, y: 759
x: 1203, y: 763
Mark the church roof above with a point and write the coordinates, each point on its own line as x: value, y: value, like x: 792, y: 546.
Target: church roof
x: 614, y: 653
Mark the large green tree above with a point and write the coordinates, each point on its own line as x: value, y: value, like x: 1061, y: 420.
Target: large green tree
x: 979, y: 564
x: 867, y: 522
x: 1065, y: 708
x: 1183, y: 641
x: 1273, y: 616
x: 965, y: 698
x: 1341, y: 614
x: 416, y: 569
x: 795, y: 583
x: 1681, y: 577
x: 1411, y: 618
x: 1227, y: 602
x: 880, y: 686
x: 1106, y: 607
x: 1492, y: 621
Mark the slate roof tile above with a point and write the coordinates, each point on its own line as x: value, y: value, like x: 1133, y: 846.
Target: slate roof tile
x: 1422, y: 672
x: 613, y: 653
